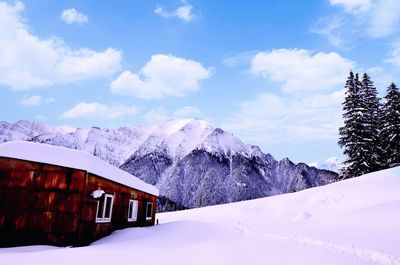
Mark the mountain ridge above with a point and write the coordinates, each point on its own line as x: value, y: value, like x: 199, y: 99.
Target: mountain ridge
x: 191, y: 162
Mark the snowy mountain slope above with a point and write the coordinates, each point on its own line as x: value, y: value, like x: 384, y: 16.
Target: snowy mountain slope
x: 192, y: 163
x: 22, y: 130
x: 354, y: 222
x: 216, y: 168
x: 113, y: 146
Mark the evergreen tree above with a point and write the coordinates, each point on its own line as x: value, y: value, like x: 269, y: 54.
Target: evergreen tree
x: 369, y: 142
x: 390, y: 133
x: 349, y: 133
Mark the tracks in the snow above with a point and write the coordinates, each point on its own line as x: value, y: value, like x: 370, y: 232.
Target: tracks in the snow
x: 347, y: 249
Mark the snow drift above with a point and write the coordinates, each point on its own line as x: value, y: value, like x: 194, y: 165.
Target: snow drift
x: 356, y: 221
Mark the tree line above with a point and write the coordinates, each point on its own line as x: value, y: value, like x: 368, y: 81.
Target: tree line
x: 370, y: 137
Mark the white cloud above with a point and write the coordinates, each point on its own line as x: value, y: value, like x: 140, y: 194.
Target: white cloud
x: 302, y: 70
x: 297, y: 115
x: 187, y: 112
x: 183, y: 12
x: 353, y: 6
x: 35, y: 100
x: 242, y: 58
x: 31, y: 100
x: 270, y: 119
x: 28, y: 61
x: 164, y: 75
x: 394, y: 54
x: 71, y: 16
x: 97, y: 110
x: 373, y: 19
x: 385, y: 18
x: 330, y: 27
x: 161, y: 114
x: 84, y: 64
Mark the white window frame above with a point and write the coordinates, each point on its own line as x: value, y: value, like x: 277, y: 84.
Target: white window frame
x: 103, y: 219
x: 151, y: 217
x: 133, y: 218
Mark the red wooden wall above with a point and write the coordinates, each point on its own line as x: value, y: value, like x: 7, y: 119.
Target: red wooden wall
x: 47, y: 204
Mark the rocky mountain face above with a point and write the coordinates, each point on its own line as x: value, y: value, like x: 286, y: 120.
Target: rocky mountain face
x: 192, y: 163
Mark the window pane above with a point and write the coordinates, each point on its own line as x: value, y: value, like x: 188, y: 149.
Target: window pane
x: 108, y: 207
x: 130, y: 209
x: 135, y: 209
x: 100, y: 208
x: 149, y: 210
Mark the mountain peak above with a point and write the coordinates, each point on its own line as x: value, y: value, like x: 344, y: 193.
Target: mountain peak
x: 224, y: 143
x: 173, y: 126
x: 193, y: 163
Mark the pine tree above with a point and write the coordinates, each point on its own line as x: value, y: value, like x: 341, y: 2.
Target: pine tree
x: 390, y: 133
x: 369, y: 142
x: 349, y: 133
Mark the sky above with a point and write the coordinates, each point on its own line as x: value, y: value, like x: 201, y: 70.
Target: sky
x: 271, y: 72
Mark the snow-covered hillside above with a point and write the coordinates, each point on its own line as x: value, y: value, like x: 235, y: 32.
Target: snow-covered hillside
x: 356, y: 221
x: 191, y: 162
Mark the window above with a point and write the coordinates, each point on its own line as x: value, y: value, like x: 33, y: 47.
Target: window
x: 132, y: 211
x: 104, y: 208
x: 149, y: 211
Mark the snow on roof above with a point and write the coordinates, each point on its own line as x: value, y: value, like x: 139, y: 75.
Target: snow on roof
x: 72, y: 158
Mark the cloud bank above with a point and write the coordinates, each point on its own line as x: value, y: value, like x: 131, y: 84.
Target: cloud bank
x: 99, y: 111
x: 28, y: 61
x: 164, y: 75
x: 302, y: 70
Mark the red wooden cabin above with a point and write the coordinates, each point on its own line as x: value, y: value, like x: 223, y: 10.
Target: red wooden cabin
x: 60, y: 196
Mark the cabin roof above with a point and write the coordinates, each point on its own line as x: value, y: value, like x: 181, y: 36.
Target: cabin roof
x: 72, y: 158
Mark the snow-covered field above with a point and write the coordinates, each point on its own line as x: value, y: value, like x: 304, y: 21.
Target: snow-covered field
x: 356, y: 221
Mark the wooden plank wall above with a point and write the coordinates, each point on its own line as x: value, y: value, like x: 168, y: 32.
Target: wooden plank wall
x: 46, y: 204
x: 90, y: 231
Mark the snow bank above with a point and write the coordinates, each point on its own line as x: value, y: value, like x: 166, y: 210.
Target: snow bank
x: 355, y: 222
x: 71, y: 158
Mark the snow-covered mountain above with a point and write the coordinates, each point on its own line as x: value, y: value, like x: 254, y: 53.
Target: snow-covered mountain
x: 351, y: 222
x: 331, y: 163
x: 192, y: 163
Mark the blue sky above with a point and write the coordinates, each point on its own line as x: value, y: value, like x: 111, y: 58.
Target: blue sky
x: 272, y: 72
